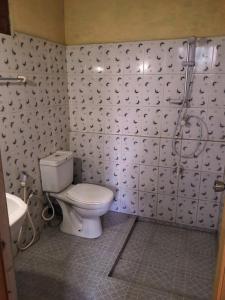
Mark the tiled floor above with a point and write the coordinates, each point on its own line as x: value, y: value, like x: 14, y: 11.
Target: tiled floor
x: 168, y: 259
x: 158, y: 263
x: 65, y: 267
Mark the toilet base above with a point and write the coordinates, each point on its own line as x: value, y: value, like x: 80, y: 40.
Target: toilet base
x: 87, y: 227
x: 79, y: 221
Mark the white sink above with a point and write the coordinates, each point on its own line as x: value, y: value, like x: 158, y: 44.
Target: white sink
x: 16, y: 212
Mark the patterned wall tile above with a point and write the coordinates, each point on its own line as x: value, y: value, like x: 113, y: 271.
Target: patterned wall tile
x: 92, y: 171
x: 173, y: 89
x: 148, y: 178
x: 208, y: 214
x: 167, y: 157
x: 213, y: 157
x: 216, y: 90
x: 189, y: 183
x: 176, y: 52
x: 129, y: 176
x: 204, y: 55
x: 151, y: 122
x: 201, y: 89
x: 186, y: 211
x: 216, y: 123
x: 149, y: 151
x: 167, y: 181
x: 125, y: 92
x: 193, y: 129
x: 147, y: 204
x: 189, y: 161
x: 113, y: 120
x: 154, y: 57
x: 111, y: 174
x: 133, y: 90
x: 168, y: 121
x: 166, y: 208
x: 34, y: 117
x: 131, y: 149
x: 131, y: 120
x: 153, y: 90
x: 121, y: 117
x: 112, y: 148
x: 128, y: 201
x: 133, y: 58
x: 218, y: 62
x: 206, y: 192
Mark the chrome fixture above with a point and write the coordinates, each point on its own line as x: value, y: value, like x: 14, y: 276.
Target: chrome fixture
x: 219, y: 186
x: 18, y: 79
x: 183, y: 116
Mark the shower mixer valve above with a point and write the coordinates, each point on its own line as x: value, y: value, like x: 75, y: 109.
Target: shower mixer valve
x: 185, y: 121
x: 188, y: 63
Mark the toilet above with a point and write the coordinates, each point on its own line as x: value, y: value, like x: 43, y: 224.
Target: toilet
x: 82, y: 204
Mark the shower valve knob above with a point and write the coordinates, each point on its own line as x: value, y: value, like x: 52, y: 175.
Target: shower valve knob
x: 183, y: 123
x: 219, y: 186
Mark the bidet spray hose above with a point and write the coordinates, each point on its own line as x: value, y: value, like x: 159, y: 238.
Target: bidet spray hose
x: 26, y: 200
x: 49, y: 205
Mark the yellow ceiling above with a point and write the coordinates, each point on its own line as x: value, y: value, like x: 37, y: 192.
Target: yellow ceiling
x: 99, y: 21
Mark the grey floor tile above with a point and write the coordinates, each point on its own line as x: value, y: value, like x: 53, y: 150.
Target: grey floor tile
x: 65, y: 267
x: 203, y: 243
x: 155, y: 277
x: 134, y: 250
x: 139, y: 292
x: 112, y: 288
x: 198, y: 286
x: 126, y: 270
x: 176, y: 261
x: 144, y: 231
x: 159, y: 262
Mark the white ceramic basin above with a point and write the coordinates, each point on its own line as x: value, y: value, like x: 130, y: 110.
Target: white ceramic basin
x: 16, y: 212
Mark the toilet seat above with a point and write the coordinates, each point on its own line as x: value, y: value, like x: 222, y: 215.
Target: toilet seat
x: 89, y: 196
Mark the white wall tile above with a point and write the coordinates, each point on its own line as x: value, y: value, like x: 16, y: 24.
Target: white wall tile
x: 167, y: 157
x: 189, y: 182
x: 128, y: 201
x: 122, y: 91
x: 206, y: 186
x: 154, y: 57
x: 148, y: 178
x: 208, y: 213
x: 213, y: 157
x: 147, y: 204
x: 34, y: 117
x: 186, y: 211
x: 167, y: 181
x: 166, y: 208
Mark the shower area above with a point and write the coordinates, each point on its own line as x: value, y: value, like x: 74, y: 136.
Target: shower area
x: 147, y: 119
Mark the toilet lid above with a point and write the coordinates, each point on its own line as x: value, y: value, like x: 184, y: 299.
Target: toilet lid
x: 90, y: 194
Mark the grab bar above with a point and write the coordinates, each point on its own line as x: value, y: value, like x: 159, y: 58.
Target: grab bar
x: 19, y: 78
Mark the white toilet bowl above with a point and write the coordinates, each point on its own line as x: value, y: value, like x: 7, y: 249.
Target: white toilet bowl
x: 82, y: 205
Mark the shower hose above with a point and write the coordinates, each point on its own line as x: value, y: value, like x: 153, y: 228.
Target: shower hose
x: 184, y: 117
